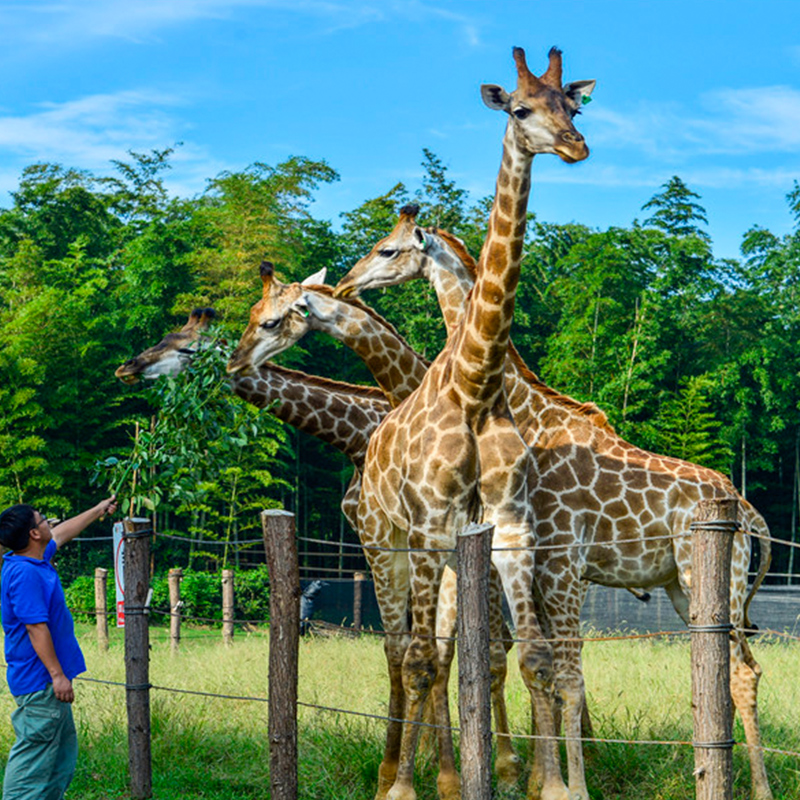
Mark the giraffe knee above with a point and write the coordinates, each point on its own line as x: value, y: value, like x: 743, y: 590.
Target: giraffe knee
x: 419, y: 672
x: 536, y: 666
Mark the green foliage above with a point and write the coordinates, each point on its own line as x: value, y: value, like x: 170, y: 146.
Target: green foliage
x: 201, y: 594
x: 687, y: 428
x: 643, y: 320
x: 204, y: 453
x: 675, y: 211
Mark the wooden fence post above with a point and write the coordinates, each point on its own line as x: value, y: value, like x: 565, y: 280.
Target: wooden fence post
x: 175, y: 605
x: 358, y: 599
x: 227, y: 606
x: 101, y: 606
x: 474, y: 550
x: 284, y: 638
x: 137, y: 532
x: 709, y: 622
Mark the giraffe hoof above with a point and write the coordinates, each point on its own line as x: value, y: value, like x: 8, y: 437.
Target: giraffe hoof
x: 402, y: 792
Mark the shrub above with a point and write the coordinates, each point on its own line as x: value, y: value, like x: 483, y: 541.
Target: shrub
x: 201, y: 593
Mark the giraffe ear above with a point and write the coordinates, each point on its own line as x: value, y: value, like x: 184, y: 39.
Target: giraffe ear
x: 316, y: 279
x: 579, y: 91
x: 496, y: 97
x: 421, y: 239
x: 313, y: 304
x: 301, y: 304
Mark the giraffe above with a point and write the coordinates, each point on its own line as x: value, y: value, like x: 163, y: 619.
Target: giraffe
x: 284, y: 315
x: 450, y: 452
x: 343, y: 415
x: 287, y: 311
x: 613, y: 506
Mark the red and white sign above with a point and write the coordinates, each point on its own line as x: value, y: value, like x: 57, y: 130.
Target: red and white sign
x: 119, y: 572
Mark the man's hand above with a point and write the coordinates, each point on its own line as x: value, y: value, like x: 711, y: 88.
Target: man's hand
x: 62, y: 688
x: 42, y: 643
x: 108, y: 506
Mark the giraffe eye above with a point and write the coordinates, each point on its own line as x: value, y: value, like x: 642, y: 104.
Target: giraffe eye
x: 522, y: 113
x: 271, y: 323
x: 388, y: 253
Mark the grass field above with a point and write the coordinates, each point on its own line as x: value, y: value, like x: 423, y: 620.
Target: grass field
x: 215, y: 748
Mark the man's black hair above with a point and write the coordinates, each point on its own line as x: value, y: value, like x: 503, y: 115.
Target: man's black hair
x: 16, y: 523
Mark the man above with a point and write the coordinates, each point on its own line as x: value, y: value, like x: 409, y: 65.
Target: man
x: 42, y: 653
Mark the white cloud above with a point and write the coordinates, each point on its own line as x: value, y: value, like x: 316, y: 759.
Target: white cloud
x: 621, y: 176
x: 752, y: 120
x: 72, y: 22
x: 91, y: 130
x: 737, y: 122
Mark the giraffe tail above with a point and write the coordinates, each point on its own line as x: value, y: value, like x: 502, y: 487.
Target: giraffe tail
x: 756, y: 526
x: 640, y: 594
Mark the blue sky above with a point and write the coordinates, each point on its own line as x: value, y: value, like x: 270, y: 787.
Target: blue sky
x: 708, y: 90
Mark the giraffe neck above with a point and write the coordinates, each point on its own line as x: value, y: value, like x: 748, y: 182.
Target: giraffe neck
x: 340, y: 414
x: 533, y: 404
x: 483, y: 340
x: 396, y: 367
x: 450, y: 278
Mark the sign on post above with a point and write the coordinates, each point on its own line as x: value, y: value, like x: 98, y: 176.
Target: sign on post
x: 119, y: 572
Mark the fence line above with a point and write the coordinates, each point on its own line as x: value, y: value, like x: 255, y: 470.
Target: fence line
x: 759, y: 633
x: 379, y: 548
x: 143, y: 687
x: 380, y: 718
x: 422, y: 724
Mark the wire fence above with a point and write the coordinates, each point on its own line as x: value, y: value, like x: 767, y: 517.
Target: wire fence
x: 259, y: 627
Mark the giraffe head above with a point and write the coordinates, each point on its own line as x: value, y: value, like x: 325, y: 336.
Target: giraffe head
x: 541, y: 109
x: 396, y: 258
x: 172, y: 353
x: 277, y: 321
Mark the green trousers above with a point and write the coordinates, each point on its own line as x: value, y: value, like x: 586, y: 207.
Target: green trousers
x: 42, y: 761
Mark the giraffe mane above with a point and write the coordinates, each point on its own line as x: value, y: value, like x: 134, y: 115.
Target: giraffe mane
x: 588, y: 410
x: 323, y: 288
x: 459, y: 248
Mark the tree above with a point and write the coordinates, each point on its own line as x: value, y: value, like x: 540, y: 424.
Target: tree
x: 675, y: 210
x: 206, y: 453
x: 441, y: 202
x: 259, y: 213
x: 687, y: 428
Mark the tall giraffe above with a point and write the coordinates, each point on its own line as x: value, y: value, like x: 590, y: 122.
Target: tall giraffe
x: 345, y: 416
x: 450, y: 451
x: 280, y: 319
x: 614, y: 507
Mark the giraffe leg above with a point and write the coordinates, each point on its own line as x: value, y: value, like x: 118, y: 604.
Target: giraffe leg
x: 535, y: 658
x: 391, y: 591
x: 745, y: 674
x: 559, y: 595
x: 570, y: 687
x: 448, y: 781
x: 420, y: 664
x: 387, y: 772
x: 507, y: 765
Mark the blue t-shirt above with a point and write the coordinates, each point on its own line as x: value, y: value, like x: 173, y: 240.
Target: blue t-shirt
x: 30, y: 592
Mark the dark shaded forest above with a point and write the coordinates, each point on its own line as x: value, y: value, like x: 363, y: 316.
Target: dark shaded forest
x: 688, y: 355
